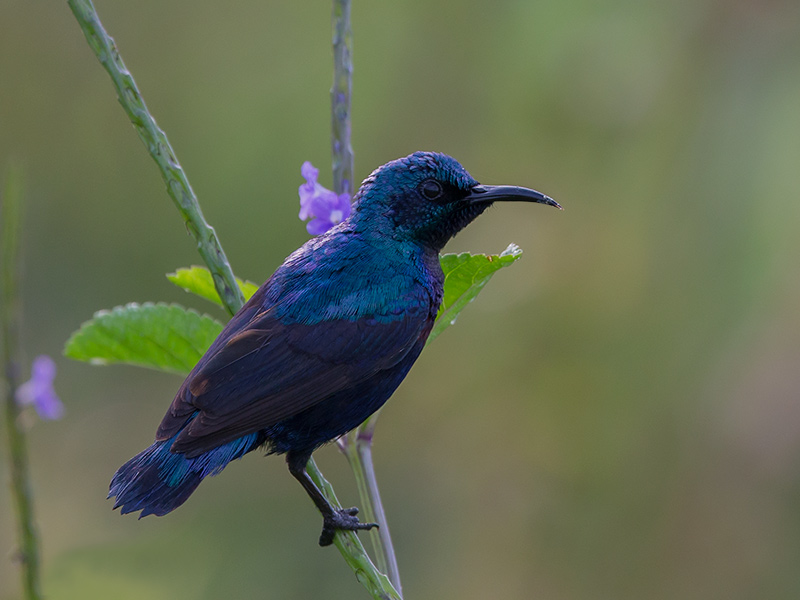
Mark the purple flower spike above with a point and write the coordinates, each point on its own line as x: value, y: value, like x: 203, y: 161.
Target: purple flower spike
x: 39, y: 389
x: 323, y: 206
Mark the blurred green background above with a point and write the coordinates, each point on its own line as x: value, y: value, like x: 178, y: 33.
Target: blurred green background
x: 618, y: 416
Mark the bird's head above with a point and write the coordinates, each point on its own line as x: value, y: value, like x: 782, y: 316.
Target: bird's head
x: 428, y: 197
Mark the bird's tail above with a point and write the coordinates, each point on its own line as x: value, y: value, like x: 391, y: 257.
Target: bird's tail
x: 157, y: 480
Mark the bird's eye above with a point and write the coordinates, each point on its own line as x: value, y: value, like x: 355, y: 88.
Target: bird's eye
x: 431, y: 189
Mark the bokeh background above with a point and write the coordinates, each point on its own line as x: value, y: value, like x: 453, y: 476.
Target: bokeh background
x: 617, y: 416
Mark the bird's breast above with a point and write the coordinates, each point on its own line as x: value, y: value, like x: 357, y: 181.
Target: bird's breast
x: 355, y: 281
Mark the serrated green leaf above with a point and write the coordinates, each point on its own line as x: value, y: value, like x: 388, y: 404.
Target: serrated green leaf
x: 465, y: 275
x: 159, y: 336
x: 198, y: 281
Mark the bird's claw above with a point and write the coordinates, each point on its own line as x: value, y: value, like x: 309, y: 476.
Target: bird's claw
x: 344, y: 519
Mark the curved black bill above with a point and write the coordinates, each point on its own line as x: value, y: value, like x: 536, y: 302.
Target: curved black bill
x: 486, y: 194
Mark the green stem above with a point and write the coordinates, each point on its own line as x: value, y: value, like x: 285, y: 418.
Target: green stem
x: 341, y: 92
x: 364, y: 450
x: 357, y: 447
x: 351, y: 548
x: 159, y: 148
x: 10, y: 314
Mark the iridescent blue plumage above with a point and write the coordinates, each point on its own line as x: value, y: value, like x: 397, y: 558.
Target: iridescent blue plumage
x: 157, y: 480
x: 323, y: 343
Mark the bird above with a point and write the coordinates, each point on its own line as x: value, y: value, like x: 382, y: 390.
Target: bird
x: 322, y: 344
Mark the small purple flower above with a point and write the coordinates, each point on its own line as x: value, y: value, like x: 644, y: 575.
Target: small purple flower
x: 39, y: 389
x: 326, y: 208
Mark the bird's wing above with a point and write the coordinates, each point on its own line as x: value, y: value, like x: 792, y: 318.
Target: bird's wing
x: 269, y: 371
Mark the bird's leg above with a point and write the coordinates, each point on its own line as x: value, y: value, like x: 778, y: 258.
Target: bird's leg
x: 332, y: 519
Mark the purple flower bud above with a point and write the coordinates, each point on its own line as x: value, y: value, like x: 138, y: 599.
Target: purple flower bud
x: 39, y: 391
x: 323, y: 206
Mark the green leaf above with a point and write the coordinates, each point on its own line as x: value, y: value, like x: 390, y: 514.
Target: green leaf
x: 198, y: 281
x: 465, y: 275
x: 160, y: 336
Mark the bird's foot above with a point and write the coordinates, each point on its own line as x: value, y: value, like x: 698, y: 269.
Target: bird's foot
x: 344, y: 519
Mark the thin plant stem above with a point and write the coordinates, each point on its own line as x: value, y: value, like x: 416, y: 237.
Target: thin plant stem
x: 209, y: 248
x: 11, y: 315
x: 351, y: 548
x: 160, y: 149
x: 341, y: 91
x: 358, y: 445
x: 358, y: 450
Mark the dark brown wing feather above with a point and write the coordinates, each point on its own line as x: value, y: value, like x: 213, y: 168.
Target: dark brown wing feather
x: 269, y: 371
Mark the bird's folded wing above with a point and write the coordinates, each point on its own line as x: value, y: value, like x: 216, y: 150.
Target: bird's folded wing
x: 270, y: 371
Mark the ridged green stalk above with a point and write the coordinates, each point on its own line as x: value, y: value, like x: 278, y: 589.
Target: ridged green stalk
x: 160, y: 149
x: 351, y: 548
x: 357, y: 447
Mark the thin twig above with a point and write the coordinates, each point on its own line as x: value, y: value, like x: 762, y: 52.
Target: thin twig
x: 341, y: 92
x: 351, y: 548
x: 11, y: 315
x: 159, y: 148
x: 363, y: 445
x: 357, y: 447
